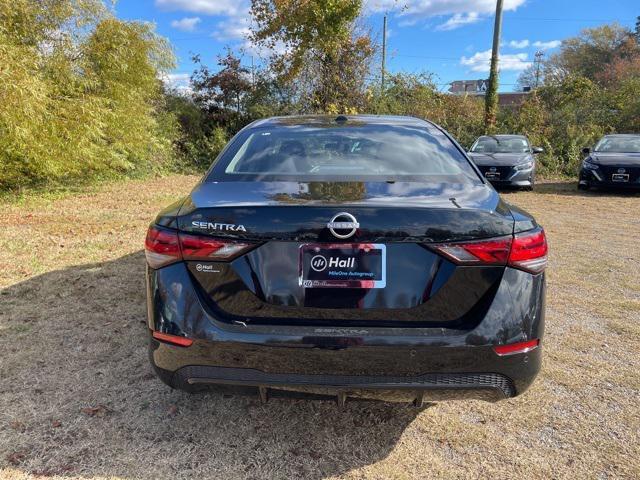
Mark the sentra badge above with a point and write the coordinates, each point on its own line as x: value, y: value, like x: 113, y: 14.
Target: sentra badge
x: 224, y: 227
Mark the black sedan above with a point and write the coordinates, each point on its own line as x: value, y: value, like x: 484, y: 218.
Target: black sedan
x: 346, y: 257
x: 506, y: 160
x: 614, y: 162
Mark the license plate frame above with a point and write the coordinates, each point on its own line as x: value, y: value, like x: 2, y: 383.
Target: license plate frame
x: 620, y: 177
x: 353, y: 272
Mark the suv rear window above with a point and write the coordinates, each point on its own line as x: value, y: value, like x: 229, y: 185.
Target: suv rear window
x: 343, y: 153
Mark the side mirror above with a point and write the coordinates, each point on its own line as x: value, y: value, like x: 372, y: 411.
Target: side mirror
x: 537, y: 150
x: 586, y: 150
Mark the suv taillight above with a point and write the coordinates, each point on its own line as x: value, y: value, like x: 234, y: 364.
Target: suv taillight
x: 164, y: 246
x: 526, y: 251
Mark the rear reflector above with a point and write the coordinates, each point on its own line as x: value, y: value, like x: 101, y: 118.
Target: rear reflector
x: 525, y: 251
x: 164, y: 246
x: 513, y: 348
x: 173, y: 339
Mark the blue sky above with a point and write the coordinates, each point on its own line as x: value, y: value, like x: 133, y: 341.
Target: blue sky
x: 450, y: 38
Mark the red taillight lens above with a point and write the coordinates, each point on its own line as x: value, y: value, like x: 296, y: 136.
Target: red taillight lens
x: 529, y: 251
x: 161, y: 247
x: 525, y: 251
x: 203, y: 248
x: 513, y: 348
x: 490, y: 252
x: 164, y: 246
x: 173, y: 339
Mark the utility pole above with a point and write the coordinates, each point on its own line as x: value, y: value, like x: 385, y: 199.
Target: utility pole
x: 253, y: 74
x: 491, y: 97
x: 538, y: 64
x: 384, y: 50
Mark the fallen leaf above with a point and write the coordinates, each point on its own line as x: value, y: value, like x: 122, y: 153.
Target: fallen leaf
x: 16, y: 458
x: 97, y: 411
x: 18, y: 426
x: 56, y: 423
x: 172, y: 410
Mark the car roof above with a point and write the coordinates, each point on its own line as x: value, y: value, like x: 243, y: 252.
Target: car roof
x: 327, y: 120
x: 623, y: 135
x: 503, y: 136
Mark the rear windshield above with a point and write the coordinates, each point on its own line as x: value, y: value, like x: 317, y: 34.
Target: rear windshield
x: 343, y: 153
x: 500, y: 145
x: 619, y: 145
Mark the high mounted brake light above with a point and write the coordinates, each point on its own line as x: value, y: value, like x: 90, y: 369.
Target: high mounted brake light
x: 164, y: 246
x: 525, y: 251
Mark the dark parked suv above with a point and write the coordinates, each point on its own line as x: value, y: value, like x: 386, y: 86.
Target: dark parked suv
x: 351, y: 257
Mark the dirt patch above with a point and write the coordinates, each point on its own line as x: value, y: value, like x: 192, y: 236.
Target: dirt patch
x: 78, y: 398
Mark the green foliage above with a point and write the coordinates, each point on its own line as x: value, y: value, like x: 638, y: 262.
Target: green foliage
x: 80, y: 98
x: 319, y: 50
x: 304, y: 27
x: 591, y: 89
x: 418, y: 96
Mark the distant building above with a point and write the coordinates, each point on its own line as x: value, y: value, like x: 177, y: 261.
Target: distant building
x: 460, y: 87
x: 512, y: 99
x: 479, y: 88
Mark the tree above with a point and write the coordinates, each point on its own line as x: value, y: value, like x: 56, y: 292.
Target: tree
x: 319, y: 49
x: 588, y: 53
x: 80, y: 93
x: 221, y: 94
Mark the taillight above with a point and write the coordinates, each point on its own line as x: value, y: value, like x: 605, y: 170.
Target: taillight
x: 525, y: 251
x: 161, y: 247
x: 489, y: 252
x: 529, y: 251
x: 164, y: 246
x: 204, y: 248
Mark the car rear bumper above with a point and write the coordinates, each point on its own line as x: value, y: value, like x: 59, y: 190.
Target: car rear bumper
x: 362, y: 362
x: 490, y: 387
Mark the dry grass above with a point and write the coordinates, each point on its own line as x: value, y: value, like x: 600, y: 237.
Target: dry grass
x: 78, y: 398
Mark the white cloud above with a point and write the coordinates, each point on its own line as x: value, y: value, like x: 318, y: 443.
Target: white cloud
x: 205, y: 7
x: 461, y: 12
x: 187, y: 24
x: 519, y: 43
x: 547, y: 45
x: 181, y: 82
x: 458, y: 20
x: 235, y: 27
x: 480, y: 61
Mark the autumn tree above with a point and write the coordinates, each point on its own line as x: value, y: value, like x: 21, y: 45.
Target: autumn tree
x: 592, y: 50
x: 318, y: 47
x: 80, y: 94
